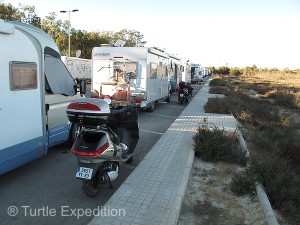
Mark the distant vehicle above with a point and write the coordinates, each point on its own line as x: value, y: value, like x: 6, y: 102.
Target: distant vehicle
x: 186, y: 72
x: 35, y: 90
x: 146, y: 70
x: 79, y: 68
x: 197, y: 76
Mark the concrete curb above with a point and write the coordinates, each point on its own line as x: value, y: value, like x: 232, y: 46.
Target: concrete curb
x: 181, y: 191
x: 263, y: 198
x: 261, y: 194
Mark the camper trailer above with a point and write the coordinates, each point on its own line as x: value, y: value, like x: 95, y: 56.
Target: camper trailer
x: 186, y: 72
x: 146, y: 70
x: 175, y: 71
x: 196, y: 74
x: 79, y: 68
x: 35, y: 91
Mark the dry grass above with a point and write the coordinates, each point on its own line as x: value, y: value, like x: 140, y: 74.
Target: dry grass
x: 279, y: 78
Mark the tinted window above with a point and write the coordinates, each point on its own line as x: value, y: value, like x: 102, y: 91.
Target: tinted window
x: 23, y: 75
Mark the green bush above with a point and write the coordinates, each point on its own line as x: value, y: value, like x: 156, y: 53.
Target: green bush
x: 283, y: 99
x: 217, y: 105
x: 243, y: 183
x: 214, y: 144
x: 218, y: 90
x: 224, y: 70
x: 218, y: 82
x: 235, y: 72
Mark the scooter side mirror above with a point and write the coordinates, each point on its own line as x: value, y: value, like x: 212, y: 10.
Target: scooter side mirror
x: 143, y: 104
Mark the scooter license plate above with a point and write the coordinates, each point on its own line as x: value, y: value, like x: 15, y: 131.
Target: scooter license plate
x: 84, y: 172
x: 181, y: 95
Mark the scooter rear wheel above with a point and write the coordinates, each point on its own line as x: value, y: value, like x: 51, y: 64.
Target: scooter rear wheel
x: 92, y: 187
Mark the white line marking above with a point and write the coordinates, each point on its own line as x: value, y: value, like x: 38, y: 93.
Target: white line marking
x: 178, y: 107
x: 153, y: 132
x: 164, y: 115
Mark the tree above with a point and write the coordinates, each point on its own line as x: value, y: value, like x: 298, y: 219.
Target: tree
x: 132, y: 37
x: 25, y: 14
x: 58, y: 31
x: 29, y: 16
x: 9, y: 12
x: 86, y: 41
x: 224, y: 70
x: 55, y: 29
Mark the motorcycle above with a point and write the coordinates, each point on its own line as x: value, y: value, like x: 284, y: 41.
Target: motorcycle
x: 190, y: 88
x: 183, y: 93
x: 183, y: 96
x: 107, y: 139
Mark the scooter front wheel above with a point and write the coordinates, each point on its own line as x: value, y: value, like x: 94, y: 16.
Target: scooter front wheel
x: 92, y: 187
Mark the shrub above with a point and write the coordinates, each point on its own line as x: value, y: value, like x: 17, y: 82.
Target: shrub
x: 214, y: 144
x: 274, y: 142
x: 218, y: 90
x: 297, y: 100
x: 243, y: 183
x: 283, y: 99
x: 218, y: 82
x: 280, y: 183
x: 235, y: 72
x: 217, y: 105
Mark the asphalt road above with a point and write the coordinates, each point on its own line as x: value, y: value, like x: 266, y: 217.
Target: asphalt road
x: 46, y: 191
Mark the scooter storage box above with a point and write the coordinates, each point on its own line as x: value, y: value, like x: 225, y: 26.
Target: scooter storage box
x: 88, y: 111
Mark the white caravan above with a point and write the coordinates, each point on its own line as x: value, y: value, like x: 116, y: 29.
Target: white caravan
x: 186, y: 72
x: 79, y: 68
x: 175, y: 71
x: 35, y: 90
x: 146, y: 70
x: 196, y: 74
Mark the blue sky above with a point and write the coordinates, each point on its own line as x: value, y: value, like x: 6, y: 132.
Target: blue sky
x: 210, y: 32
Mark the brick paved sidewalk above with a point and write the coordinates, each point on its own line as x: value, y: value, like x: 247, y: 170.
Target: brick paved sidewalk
x: 153, y: 192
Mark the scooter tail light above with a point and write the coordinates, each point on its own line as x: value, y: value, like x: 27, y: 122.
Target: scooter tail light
x: 83, y: 106
x: 98, y: 152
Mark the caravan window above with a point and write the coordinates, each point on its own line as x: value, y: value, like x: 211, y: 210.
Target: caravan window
x: 123, y: 71
x: 166, y: 70
x: 58, y: 77
x: 153, y: 70
x: 23, y: 75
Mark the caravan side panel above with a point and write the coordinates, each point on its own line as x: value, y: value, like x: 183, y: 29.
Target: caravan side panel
x: 22, y: 135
